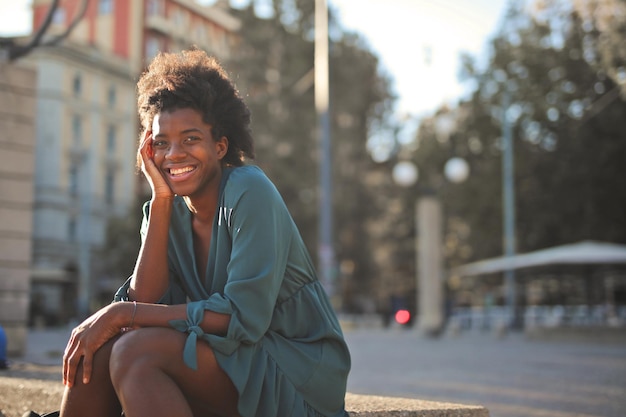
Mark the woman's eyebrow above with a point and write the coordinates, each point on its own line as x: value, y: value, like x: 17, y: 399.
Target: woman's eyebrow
x: 191, y: 130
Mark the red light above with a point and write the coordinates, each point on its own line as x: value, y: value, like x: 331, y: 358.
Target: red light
x: 403, y: 316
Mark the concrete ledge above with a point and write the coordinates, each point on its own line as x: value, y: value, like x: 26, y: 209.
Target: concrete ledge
x: 21, y: 394
x: 376, y: 406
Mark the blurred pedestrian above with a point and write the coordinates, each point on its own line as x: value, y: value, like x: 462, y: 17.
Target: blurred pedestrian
x: 4, y: 364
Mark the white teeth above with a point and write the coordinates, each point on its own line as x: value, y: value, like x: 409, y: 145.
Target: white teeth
x: 178, y: 171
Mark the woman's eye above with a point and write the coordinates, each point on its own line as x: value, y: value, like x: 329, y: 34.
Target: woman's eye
x: 159, y: 144
x: 192, y: 139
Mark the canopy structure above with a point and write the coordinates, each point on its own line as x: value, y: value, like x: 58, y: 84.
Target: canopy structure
x: 586, y: 252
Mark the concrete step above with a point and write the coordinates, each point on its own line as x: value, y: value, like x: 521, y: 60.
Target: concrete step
x: 378, y: 406
x: 23, y: 394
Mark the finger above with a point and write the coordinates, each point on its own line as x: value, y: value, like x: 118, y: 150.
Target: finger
x: 87, y: 367
x: 65, y: 368
x: 70, y: 369
x: 150, y: 147
x: 67, y: 357
x: 147, y: 136
x: 146, y: 143
x: 65, y: 371
x: 143, y: 146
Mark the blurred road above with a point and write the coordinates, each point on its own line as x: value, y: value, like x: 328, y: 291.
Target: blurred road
x: 511, y: 376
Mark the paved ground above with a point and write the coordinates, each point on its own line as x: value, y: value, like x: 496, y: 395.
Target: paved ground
x: 512, y: 376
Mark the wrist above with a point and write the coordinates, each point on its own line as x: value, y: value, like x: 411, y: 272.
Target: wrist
x: 165, y: 200
x: 125, y: 314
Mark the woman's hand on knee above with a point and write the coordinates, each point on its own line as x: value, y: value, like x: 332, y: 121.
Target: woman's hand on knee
x: 89, y: 336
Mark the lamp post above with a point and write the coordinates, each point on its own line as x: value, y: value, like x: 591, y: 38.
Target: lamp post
x: 429, y: 243
x: 84, y: 239
x: 508, y: 205
x: 326, y: 252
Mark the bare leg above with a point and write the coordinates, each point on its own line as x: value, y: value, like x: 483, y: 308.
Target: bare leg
x: 151, y: 379
x: 96, y: 399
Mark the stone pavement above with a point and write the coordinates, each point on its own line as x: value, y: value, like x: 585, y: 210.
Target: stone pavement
x: 511, y: 376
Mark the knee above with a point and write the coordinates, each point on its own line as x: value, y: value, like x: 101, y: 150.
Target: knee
x: 126, y: 354
x: 139, y: 352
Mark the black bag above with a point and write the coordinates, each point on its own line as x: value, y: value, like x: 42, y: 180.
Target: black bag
x: 33, y: 414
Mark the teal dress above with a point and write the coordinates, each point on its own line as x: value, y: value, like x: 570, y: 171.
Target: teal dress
x: 284, y: 349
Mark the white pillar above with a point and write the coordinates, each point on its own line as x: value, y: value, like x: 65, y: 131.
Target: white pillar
x: 429, y: 265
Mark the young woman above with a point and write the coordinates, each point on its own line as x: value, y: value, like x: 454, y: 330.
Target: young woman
x: 223, y: 315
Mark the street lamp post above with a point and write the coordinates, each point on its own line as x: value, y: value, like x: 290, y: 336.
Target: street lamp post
x: 429, y: 244
x: 326, y: 253
x: 84, y: 241
x: 508, y: 204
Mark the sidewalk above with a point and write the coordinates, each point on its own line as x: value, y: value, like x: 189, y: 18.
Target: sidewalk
x: 44, y: 346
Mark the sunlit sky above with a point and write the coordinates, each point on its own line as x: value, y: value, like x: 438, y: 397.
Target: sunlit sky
x: 418, y: 41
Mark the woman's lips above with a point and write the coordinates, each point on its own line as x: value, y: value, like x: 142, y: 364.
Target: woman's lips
x: 180, y: 173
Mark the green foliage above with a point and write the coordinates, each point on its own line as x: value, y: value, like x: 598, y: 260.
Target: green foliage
x: 569, y: 136
x: 569, y: 151
x: 274, y: 67
x: 121, y: 248
x: 604, y: 23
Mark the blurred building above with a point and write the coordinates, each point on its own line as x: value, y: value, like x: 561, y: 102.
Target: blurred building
x: 17, y: 156
x: 87, y: 129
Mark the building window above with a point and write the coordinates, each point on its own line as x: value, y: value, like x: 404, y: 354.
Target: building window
x: 105, y: 7
x: 71, y: 230
x: 77, y: 130
x: 200, y: 33
x: 77, y: 85
x: 155, y: 8
x: 111, y: 139
x: 73, y: 180
x: 153, y: 46
x: 179, y: 19
x: 109, y: 186
x: 112, y: 97
x: 58, y: 18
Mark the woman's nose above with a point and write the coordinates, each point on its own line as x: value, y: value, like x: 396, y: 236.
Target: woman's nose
x: 175, y: 151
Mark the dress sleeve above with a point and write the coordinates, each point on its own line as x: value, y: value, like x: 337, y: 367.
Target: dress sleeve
x: 261, y: 231
x: 261, y: 235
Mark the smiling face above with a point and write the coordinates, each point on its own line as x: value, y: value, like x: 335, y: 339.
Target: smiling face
x: 186, y: 153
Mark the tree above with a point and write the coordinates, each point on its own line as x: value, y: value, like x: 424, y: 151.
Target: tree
x: 11, y: 49
x: 568, y: 152
x: 569, y: 140
x: 604, y: 22
x: 274, y: 68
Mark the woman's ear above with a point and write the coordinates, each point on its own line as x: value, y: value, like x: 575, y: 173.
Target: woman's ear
x: 222, y: 147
